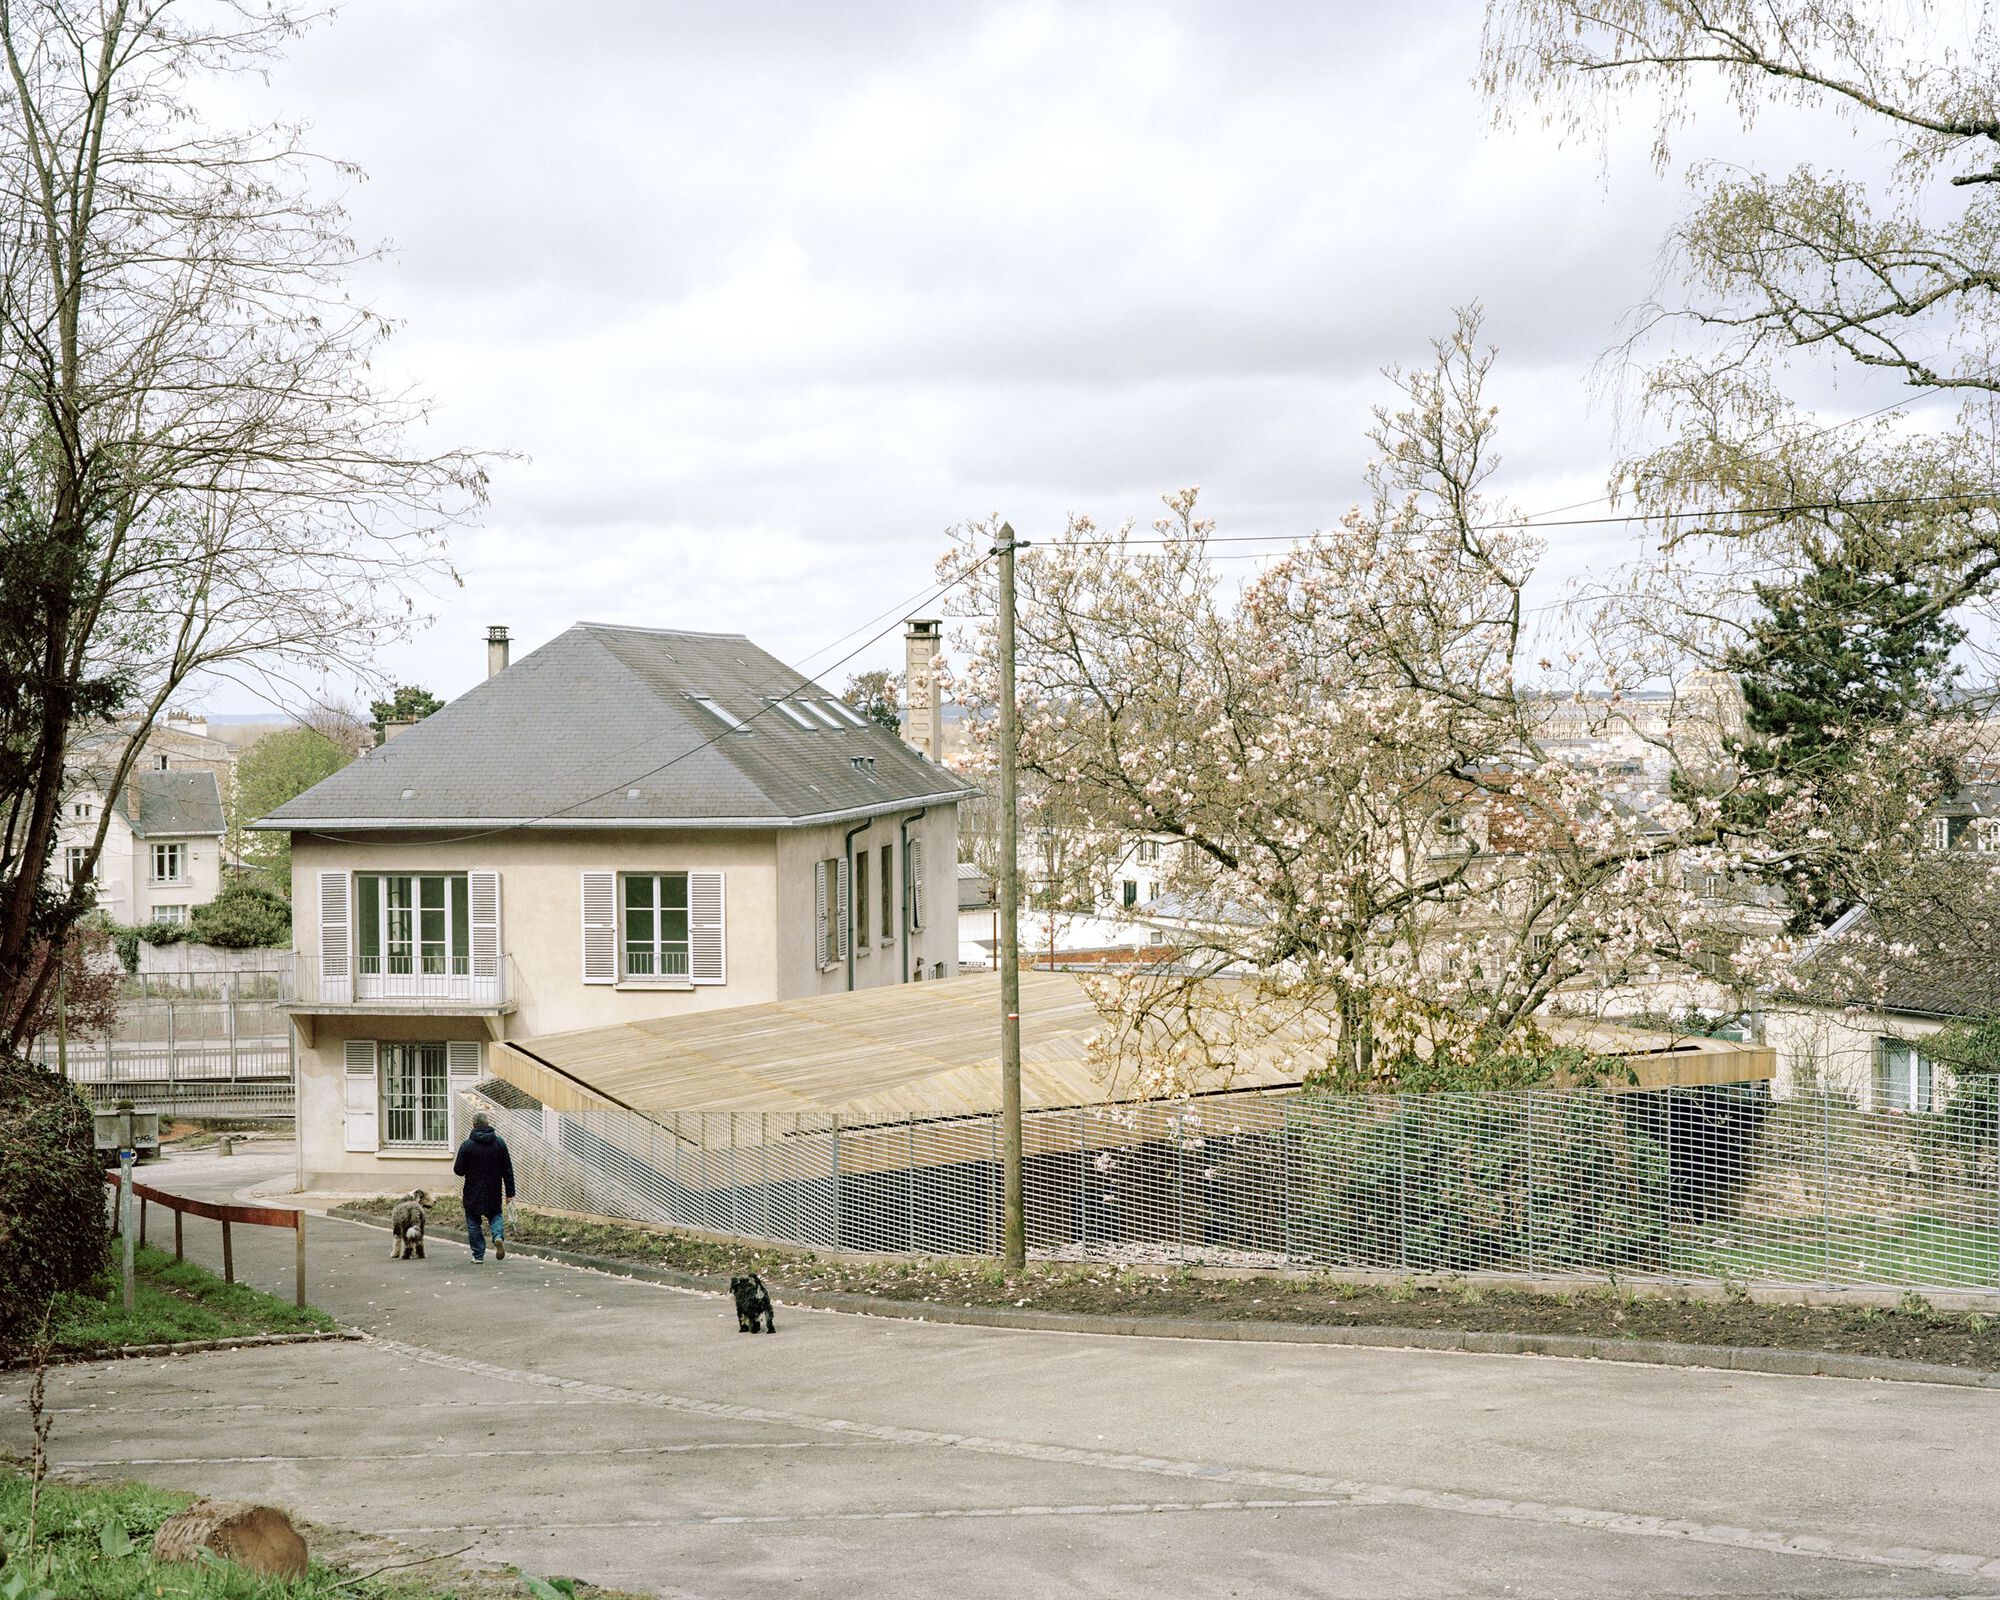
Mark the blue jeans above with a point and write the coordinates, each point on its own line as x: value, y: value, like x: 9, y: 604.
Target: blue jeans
x: 473, y: 1237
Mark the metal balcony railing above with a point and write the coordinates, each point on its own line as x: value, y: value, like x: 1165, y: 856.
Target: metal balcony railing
x: 483, y: 980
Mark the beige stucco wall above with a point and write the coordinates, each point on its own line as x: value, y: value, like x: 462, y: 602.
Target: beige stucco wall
x: 1835, y: 1048
x: 770, y: 926
x: 883, y: 962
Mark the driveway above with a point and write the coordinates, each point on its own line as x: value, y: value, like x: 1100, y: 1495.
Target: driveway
x: 581, y: 1424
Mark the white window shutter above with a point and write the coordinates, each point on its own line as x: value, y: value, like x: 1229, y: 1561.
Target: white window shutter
x: 483, y: 901
x: 336, y: 941
x: 916, y: 883
x: 462, y: 1070
x: 600, y: 927
x: 362, y: 1095
x: 708, y: 960
x: 843, y: 912
x: 819, y: 896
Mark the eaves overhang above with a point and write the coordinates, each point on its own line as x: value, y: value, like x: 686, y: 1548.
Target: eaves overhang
x: 817, y: 819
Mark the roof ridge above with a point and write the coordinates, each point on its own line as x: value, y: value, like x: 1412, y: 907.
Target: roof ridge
x: 665, y: 633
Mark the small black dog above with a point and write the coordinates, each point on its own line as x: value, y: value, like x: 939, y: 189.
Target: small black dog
x: 753, y: 1302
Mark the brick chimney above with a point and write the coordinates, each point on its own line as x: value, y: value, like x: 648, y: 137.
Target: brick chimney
x: 922, y: 726
x: 496, y: 649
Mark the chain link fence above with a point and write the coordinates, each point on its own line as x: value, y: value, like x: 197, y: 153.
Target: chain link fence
x: 224, y: 1057
x: 1717, y: 1183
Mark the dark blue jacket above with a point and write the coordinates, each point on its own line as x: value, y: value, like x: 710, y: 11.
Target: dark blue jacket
x: 486, y: 1167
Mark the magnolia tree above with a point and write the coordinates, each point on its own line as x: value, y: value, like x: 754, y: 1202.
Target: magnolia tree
x: 1374, y: 841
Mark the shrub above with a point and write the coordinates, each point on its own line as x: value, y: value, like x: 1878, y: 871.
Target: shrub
x: 52, y: 1229
x: 1434, y: 1183
x: 248, y: 914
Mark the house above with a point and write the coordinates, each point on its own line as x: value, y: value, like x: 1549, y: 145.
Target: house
x: 162, y: 853
x: 626, y: 824
x: 1869, y: 991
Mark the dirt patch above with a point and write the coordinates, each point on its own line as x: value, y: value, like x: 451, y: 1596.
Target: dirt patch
x: 1913, y: 1331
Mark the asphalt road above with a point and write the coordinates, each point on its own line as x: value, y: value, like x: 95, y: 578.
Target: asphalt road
x: 581, y: 1424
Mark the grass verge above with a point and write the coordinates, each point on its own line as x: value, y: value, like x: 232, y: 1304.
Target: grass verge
x: 1913, y: 1331
x: 94, y: 1542
x: 174, y: 1301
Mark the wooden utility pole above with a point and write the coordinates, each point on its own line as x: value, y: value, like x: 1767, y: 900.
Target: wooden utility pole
x: 1015, y: 1243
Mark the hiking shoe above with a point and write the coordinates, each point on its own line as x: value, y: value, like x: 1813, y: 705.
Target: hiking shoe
x: 499, y: 1249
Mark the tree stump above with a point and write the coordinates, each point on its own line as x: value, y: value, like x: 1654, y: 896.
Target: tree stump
x: 260, y: 1538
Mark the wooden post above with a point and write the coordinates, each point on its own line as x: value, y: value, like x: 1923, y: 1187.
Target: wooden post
x: 228, y: 1255
x: 125, y: 1225
x: 142, y: 1219
x: 177, y: 1233
x: 299, y: 1260
x: 1014, y: 1236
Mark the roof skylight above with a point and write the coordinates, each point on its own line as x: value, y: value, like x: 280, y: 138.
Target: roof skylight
x: 795, y: 716
x: 734, y: 724
x: 840, y: 708
x: 824, y: 716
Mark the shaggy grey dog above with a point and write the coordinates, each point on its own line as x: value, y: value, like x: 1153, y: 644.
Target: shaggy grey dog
x: 406, y: 1226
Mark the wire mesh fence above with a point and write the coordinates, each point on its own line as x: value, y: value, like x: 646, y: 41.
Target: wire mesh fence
x: 214, y: 1057
x: 1717, y: 1182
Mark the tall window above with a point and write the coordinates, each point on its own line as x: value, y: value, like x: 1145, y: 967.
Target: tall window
x: 655, y: 942
x: 416, y: 1099
x: 1131, y: 888
x: 1904, y: 1078
x: 412, y: 924
x: 913, y: 864
x: 861, y: 898
x: 167, y: 863
x: 888, y: 895
x: 73, y: 862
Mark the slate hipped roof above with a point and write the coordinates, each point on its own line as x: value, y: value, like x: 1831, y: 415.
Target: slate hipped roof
x: 171, y: 804
x: 601, y: 727
x: 1913, y: 966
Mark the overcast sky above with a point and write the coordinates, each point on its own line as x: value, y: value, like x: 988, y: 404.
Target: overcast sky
x: 767, y: 296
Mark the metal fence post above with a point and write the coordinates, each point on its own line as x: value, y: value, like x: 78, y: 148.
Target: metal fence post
x: 173, y: 1060
x: 1530, y: 1098
x: 910, y: 1184
x: 1285, y: 1179
x: 836, y: 1180
x: 1826, y: 1185
x: 1178, y: 1144
x: 1082, y: 1227
x: 1402, y: 1185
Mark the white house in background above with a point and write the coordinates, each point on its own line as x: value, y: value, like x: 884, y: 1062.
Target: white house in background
x: 628, y: 823
x: 1859, y: 1026
x: 162, y: 853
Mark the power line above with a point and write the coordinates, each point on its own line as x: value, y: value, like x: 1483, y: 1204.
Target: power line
x: 1786, y: 509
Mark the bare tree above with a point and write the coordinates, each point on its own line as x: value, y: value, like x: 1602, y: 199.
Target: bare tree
x: 204, y: 476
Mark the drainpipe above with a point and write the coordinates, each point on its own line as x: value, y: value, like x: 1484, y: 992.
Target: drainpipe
x: 847, y: 850
x: 903, y: 830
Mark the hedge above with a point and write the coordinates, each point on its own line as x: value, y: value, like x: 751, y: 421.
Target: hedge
x: 52, y: 1211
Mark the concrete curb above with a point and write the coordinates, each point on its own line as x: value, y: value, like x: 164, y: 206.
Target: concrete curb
x: 1641, y: 1352
x: 185, y: 1347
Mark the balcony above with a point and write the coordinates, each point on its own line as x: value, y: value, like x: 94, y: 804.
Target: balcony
x: 483, y: 986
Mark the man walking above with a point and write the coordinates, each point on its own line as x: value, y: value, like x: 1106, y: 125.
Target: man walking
x: 488, y: 1172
